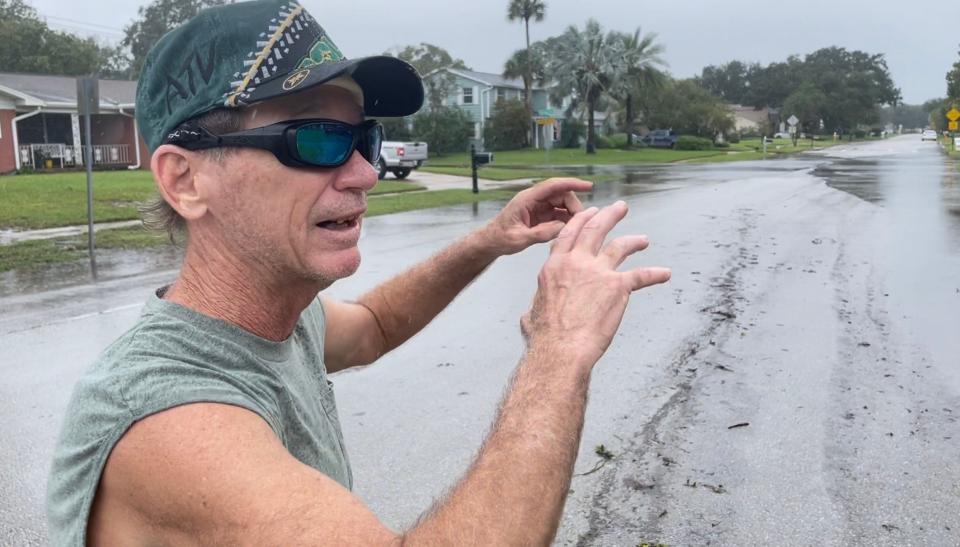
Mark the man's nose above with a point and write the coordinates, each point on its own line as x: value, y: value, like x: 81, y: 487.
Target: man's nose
x: 356, y: 174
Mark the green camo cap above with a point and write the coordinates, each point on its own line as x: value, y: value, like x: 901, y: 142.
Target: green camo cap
x: 240, y: 54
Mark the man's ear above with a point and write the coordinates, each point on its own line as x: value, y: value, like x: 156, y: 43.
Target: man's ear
x: 175, y: 172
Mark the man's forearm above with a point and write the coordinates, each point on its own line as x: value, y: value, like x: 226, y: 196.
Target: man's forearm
x: 405, y: 304
x: 515, y: 491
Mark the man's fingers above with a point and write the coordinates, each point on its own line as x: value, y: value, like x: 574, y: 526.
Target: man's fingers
x: 595, y: 231
x: 644, y: 277
x: 620, y: 248
x: 568, y: 235
x: 547, y: 230
x: 570, y: 202
x: 559, y: 192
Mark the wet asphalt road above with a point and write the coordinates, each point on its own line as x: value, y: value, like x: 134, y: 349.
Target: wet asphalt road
x: 826, y: 320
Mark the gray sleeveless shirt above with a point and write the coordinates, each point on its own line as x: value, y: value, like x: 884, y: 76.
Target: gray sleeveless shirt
x: 175, y: 356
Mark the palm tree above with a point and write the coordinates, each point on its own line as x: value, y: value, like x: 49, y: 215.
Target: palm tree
x: 526, y: 10
x: 641, y: 65
x: 528, y: 65
x: 586, y: 66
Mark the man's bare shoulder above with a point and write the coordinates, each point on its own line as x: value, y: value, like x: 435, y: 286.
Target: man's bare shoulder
x: 208, y: 473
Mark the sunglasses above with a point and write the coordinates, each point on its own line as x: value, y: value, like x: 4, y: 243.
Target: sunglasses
x: 295, y: 143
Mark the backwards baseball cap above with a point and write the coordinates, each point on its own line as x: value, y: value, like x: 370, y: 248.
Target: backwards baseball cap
x: 240, y: 54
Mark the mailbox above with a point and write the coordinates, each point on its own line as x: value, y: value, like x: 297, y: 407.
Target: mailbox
x: 483, y: 158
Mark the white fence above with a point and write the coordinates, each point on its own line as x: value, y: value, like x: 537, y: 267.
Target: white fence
x: 58, y: 156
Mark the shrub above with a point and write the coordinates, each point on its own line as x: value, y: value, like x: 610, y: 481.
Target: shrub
x: 571, y: 133
x: 721, y: 145
x: 507, y: 127
x: 693, y: 143
x: 733, y: 138
x: 445, y: 129
x: 396, y: 129
x: 602, y: 141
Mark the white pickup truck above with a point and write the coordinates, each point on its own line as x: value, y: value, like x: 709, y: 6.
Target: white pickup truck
x: 400, y: 158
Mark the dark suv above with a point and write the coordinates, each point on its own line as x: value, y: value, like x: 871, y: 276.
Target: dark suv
x: 660, y: 138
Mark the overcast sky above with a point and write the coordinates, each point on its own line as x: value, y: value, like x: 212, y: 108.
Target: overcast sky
x: 919, y: 37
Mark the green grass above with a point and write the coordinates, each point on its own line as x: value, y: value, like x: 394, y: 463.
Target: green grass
x: 494, y: 173
x: 539, y: 159
x: 427, y: 200
x: 394, y: 187
x: 30, y: 202
x: 50, y: 200
x: 32, y: 254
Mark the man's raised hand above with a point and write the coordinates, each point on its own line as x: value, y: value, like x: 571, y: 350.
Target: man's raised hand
x: 535, y: 215
x: 581, y: 296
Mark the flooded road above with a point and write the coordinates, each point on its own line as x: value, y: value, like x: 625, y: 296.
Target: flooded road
x: 815, y: 299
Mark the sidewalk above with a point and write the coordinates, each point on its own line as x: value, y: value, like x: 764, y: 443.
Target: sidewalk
x: 9, y: 237
x: 437, y: 181
x: 431, y: 181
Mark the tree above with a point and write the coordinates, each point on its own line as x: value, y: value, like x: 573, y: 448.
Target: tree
x: 729, y: 82
x: 854, y: 83
x: 525, y: 10
x: 953, y: 82
x: 641, y: 59
x: 507, y: 127
x: 446, y: 129
x: 396, y: 129
x: 584, y: 65
x: 156, y: 19
x: 528, y: 65
x: 428, y: 58
x: 27, y: 44
x: 806, y: 103
x: 687, y: 108
x: 910, y: 116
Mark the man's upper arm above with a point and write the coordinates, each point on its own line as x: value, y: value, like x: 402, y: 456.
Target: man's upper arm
x: 353, y: 336
x: 214, y: 473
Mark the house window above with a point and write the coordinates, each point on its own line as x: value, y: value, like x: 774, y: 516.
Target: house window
x: 468, y: 95
x: 501, y: 94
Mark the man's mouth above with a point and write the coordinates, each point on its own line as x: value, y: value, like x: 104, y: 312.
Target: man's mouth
x: 341, y: 223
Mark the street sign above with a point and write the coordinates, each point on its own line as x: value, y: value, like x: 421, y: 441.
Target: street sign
x: 88, y: 96
x: 952, y: 126
x: 953, y: 115
x: 792, y: 120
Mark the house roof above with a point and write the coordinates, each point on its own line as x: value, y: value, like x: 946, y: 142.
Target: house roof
x: 750, y: 113
x: 489, y: 78
x: 61, y: 91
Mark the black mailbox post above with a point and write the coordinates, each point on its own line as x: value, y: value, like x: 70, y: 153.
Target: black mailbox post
x: 476, y: 160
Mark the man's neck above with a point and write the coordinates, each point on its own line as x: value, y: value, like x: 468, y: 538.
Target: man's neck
x: 218, y: 286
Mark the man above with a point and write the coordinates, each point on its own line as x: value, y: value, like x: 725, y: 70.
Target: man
x: 212, y: 421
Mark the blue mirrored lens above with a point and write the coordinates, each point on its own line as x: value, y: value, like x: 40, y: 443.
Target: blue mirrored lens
x: 324, y: 144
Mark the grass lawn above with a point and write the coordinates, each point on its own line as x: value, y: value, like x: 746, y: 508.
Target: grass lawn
x: 495, y: 173
x: 38, y: 253
x: 539, y: 159
x: 60, y: 199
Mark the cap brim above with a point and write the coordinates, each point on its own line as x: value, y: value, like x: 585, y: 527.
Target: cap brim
x: 391, y: 87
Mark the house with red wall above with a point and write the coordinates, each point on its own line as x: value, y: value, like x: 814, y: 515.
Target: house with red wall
x: 40, y: 129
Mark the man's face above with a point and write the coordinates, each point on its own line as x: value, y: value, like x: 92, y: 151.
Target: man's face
x: 296, y: 223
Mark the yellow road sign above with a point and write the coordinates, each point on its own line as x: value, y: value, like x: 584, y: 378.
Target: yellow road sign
x: 952, y: 126
x: 546, y: 121
x: 953, y: 115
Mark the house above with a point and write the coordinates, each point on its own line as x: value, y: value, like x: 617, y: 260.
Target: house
x: 40, y: 127
x: 476, y: 92
x: 748, y: 119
